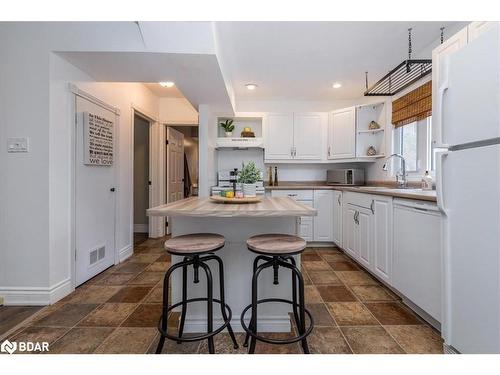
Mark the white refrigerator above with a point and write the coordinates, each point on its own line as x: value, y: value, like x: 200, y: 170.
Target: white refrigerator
x: 468, y: 193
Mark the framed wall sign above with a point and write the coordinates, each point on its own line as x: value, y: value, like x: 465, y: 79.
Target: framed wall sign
x: 98, y: 138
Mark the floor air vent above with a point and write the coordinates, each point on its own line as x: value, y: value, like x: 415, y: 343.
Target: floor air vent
x: 97, y: 254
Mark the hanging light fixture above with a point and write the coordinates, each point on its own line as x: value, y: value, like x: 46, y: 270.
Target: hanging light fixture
x: 402, y: 76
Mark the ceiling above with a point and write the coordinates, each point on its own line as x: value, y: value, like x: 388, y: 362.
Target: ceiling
x: 197, y: 76
x: 164, y: 92
x: 301, y: 60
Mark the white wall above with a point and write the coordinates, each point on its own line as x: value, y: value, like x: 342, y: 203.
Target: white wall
x: 177, y: 111
x: 207, y: 132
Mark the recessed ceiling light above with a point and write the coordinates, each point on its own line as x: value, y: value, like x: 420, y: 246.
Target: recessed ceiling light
x: 337, y: 85
x: 251, y: 86
x: 167, y: 84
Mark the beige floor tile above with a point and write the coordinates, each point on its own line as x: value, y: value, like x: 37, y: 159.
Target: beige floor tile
x: 66, y: 316
x: 419, y: 339
x: 327, y: 340
x: 93, y: 294
x: 128, y: 340
x: 335, y: 293
x: 159, y: 267
x: 371, y: 340
x: 351, y: 314
x: 393, y: 313
x: 324, y: 277
x: 371, y: 293
x: 108, y: 315
x: 224, y: 345
x: 316, y: 266
x: 356, y: 278
x: 80, y: 340
x: 320, y: 315
x: 147, y: 278
x: 312, y: 295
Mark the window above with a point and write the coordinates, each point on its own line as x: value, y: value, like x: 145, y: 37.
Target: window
x: 413, y: 141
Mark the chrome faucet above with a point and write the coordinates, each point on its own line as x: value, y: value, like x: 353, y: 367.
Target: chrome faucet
x: 403, y: 183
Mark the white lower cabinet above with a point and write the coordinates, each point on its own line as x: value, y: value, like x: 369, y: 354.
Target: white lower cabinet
x: 305, y: 224
x: 306, y: 230
x: 398, y: 241
x: 323, y: 222
x: 382, y: 237
x: 337, y: 217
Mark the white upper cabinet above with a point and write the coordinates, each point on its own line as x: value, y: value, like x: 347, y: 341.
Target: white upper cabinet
x: 476, y: 28
x: 439, y: 53
x: 308, y: 130
x: 342, y: 134
x: 295, y: 136
x: 278, y: 138
x: 323, y: 222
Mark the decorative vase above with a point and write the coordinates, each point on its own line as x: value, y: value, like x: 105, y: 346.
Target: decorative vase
x: 249, y: 190
x: 229, y: 134
x: 371, y: 151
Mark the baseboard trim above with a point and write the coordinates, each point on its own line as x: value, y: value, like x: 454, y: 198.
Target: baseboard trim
x: 125, y: 253
x: 36, y: 296
x: 266, y: 324
x: 141, y: 228
x: 320, y: 244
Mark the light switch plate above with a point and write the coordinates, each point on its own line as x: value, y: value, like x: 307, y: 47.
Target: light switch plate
x: 18, y: 144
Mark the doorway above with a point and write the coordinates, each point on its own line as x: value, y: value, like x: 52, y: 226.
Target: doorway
x: 142, y: 177
x: 190, y: 158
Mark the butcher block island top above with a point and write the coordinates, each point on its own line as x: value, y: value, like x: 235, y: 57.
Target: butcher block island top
x: 205, y: 207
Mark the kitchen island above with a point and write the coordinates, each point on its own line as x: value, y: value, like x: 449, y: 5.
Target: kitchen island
x: 236, y: 222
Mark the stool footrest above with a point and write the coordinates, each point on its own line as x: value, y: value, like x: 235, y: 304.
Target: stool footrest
x: 199, y: 337
x: 276, y: 341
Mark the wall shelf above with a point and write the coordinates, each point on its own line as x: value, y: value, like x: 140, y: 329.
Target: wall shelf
x: 372, y: 131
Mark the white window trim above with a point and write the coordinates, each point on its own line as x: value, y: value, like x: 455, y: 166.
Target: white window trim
x: 424, y: 151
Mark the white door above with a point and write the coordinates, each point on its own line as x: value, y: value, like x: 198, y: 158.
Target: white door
x: 175, y: 163
x: 94, y: 200
x: 308, y: 135
x: 470, y: 103
x: 337, y: 218
x: 342, y: 134
x: 382, y: 237
x: 471, y: 203
x: 279, y: 136
x: 349, y: 227
x: 323, y: 222
x: 363, y: 238
x: 439, y: 54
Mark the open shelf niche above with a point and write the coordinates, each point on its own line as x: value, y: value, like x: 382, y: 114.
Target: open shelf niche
x: 239, y: 124
x: 366, y: 137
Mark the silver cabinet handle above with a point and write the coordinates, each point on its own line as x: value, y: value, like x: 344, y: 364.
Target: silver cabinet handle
x: 372, y: 207
x: 292, y: 195
x: 291, y: 152
x: 329, y: 150
x: 338, y: 199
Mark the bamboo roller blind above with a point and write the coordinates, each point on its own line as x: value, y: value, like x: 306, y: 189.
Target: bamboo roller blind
x: 414, y: 106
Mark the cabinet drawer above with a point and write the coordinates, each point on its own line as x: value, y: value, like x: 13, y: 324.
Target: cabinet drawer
x: 358, y: 199
x: 300, y: 195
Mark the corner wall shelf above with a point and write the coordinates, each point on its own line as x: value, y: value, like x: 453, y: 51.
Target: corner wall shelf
x: 373, y: 131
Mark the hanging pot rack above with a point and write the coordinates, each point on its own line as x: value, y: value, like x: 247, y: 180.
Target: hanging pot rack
x: 402, y: 76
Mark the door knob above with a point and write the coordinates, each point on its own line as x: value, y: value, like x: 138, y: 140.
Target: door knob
x: 112, y: 189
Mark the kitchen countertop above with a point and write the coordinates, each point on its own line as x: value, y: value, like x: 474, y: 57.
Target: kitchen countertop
x: 204, y: 207
x: 382, y: 189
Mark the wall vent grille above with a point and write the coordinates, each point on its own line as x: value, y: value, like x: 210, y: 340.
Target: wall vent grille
x: 97, y: 255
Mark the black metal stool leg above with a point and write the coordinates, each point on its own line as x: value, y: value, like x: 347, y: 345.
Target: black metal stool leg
x: 301, y: 324
x: 255, y: 280
x: 210, y: 302
x: 294, y: 290
x: 252, y: 322
x: 223, y: 300
x: 184, y: 298
x: 164, y: 316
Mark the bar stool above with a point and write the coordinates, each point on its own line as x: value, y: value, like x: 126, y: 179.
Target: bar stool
x: 197, y: 250
x: 277, y: 250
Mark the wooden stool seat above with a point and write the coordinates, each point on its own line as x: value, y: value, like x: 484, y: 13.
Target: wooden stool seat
x: 196, y: 243
x: 276, y: 244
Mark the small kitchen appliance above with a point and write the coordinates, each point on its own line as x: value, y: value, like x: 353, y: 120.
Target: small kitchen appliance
x: 352, y: 177
x: 226, y: 180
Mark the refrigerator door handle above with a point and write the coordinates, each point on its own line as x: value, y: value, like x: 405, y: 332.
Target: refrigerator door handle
x: 438, y: 112
x: 439, y: 180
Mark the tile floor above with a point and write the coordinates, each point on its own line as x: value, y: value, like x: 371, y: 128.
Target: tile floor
x: 118, y: 310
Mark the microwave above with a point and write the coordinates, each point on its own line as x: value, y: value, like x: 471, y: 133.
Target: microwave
x: 345, y: 177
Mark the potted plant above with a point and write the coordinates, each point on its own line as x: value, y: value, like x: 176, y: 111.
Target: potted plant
x: 228, y: 127
x: 248, y: 176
